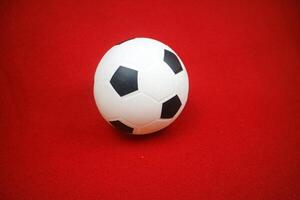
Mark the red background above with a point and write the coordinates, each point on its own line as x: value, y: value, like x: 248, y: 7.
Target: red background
x: 238, y: 137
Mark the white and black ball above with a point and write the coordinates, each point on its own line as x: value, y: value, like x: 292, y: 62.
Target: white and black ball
x: 141, y: 86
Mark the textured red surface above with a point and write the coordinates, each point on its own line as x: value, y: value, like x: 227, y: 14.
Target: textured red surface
x: 238, y: 137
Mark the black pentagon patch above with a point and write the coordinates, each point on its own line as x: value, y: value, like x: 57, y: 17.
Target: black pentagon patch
x: 122, y: 127
x: 170, y: 107
x: 173, y: 62
x: 124, y: 80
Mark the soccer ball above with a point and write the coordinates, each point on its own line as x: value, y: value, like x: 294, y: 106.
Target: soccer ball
x: 141, y: 86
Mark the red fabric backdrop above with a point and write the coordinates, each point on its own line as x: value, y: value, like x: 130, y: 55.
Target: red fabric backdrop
x: 238, y: 137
